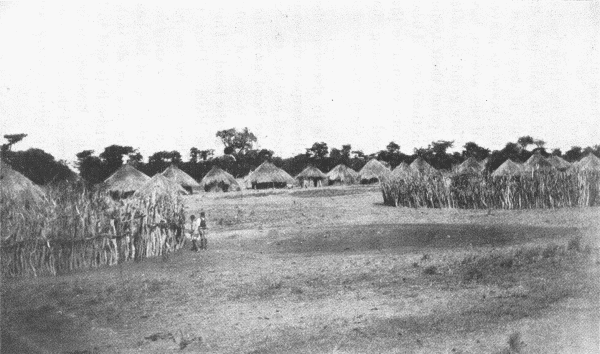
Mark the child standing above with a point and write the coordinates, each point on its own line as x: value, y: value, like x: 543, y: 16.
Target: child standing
x: 195, y: 232
x: 202, y: 231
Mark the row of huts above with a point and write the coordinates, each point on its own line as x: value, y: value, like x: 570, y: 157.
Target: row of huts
x: 128, y: 180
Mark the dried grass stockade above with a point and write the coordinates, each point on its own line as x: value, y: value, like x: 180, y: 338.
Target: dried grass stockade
x: 76, y: 228
x: 478, y: 191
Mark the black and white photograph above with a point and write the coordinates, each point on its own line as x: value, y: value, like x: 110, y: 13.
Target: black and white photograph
x: 264, y: 177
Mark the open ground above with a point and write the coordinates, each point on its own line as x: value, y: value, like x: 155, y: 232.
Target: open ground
x: 331, y: 270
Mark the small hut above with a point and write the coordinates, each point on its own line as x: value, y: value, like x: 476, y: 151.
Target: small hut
x: 373, y: 172
x: 558, y: 163
x: 186, y: 181
x: 125, y: 181
x: 469, y: 167
x: 342, y: 174
x: 402, y: 171
x: 218, y: 180
x: 537, y: 162
x: 588, y: 163
x: 508, y: 169
x: 15, y: 187
x: 159, y: 185
x: 311, y: 176
x: 268, y: 175
x: 420, y: 166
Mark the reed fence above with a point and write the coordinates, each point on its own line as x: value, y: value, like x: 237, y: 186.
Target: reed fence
x: 77, y: 229
x: 526, y: 191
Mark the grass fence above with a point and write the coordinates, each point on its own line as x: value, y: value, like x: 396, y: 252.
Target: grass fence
x: 76, y: 229
x: 527, y: 191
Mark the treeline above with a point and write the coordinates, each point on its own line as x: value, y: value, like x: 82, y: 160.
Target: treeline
x: 240, y: 157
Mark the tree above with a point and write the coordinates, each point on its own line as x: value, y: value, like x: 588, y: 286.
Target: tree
x: 112, y: 157
x: 525, y: 141
x: 539, y: 143
x: 39, y: 166
x: 393, y: 148
x: 237, y: 141
x: 318, y: 151
x: 12, y: 139
x: 574, y: 154
x: 194, y: 154
x: 91, y: 168
x: 471, y: 149
x: 557, y: 152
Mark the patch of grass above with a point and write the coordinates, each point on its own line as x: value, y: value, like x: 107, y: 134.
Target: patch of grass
x: 430, y: 270
x: 329, y: 192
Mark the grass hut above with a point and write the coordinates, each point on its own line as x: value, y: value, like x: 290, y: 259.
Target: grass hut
x: 588, y: 163
x: 558, y: 163
x: 125, y: 181
x: 469, y: 167
x: 342, y: 174
x: 373, y: 172
x: 420, y: 166
x: 508, y: 168
x: 311, y: 176
x: 160, y: 185
x: 183, y: 179
x: 402, y: 171
x: 218, y: 180
x: 537, y: 162
x: 268, y: 175
x: 17, y: 188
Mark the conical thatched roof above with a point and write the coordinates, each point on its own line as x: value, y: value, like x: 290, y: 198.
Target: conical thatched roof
x: 219, y: 180
x: 311, y: 172
x: 126, y: 179
x: 343, y: 174
x: 402, y: 170
x: 419, y: 165
x: 539, y: 163
x: 15, y: 186
x: 558, y: 163
x: 469, y: 166
x: 373, y: 170
x: 160, y: 185
x: 508, y: 168
x: 269, y: 173
x: 589, y: 163
x: 175, y: 174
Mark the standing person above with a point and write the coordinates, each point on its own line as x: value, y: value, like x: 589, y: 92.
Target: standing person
x: 195, y: 232
x: 202, y: 231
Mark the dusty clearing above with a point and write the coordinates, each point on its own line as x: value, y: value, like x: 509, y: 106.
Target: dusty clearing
x: 331, y: 271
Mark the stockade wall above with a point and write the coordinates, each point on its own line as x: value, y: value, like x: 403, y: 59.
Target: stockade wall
x: 78, y: 230
x: 534, y: 190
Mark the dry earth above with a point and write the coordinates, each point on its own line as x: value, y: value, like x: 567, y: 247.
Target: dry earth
x: 331, y: 271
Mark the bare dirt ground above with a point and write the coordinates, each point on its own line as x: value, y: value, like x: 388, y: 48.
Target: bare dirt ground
x: 331, y: 271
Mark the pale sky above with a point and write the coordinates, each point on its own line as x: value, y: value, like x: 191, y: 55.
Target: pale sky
x: 85, y: 76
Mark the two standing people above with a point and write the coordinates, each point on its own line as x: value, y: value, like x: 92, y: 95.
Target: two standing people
x: 198, y: 232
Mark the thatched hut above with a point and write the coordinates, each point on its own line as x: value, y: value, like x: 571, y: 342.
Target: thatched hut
x: 588, y: 163
x: 508, y: 168
x: 125, y: 181
x: 17, y: 188
x: 558, y: 163
x: 373, y: 172
x: 342, y: 174
x: 311, y: 176
x: 268, y: 175
x: 183, y: 179
x: 537, y: 162
x: 420, y: 166
x: 218, y: 180
x: 402, y: 171
x: 160, y: 185
x: 469, y: 167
